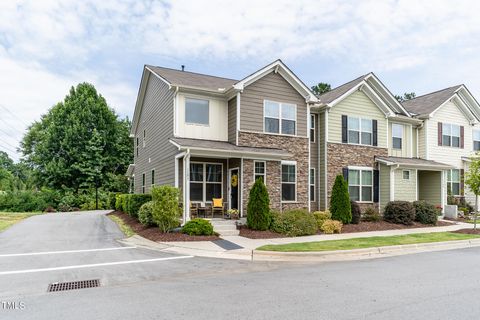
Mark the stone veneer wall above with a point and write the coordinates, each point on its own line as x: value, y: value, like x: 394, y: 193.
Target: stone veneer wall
x: 343, y: 155
x: 297, y: 147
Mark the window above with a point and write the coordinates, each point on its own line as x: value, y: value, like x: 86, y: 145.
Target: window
x: 312, y: 184
x: 197, y: 111
x: 453, y: 182
x: 144, y: 137
x: 360, y: 185
x: 205, y: 181
x: 450, y: 135
x: 259, y: 171
x: 476, y: 140
x: 360, y: 131
x: 397, y: 136
x: 406, y: 174
x: 153, y: 177
x: 143, y: 183
x: 280, y: 117
x: 289, y: 179
x: 312, y: 128
x: 138, y: 142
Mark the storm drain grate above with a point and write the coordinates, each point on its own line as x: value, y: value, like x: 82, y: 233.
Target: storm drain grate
x: 73, y: 285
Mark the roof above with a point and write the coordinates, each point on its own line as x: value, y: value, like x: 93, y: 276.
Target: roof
x: 339, y: 91
x: 428, y: 103
x: 223, y: 146
x: 412, y: 162
x: 192, y: 79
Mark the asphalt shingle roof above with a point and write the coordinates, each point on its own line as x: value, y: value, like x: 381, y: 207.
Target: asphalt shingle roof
x: 413, y: 162
x: 428, y: 103
x: 333, y: 94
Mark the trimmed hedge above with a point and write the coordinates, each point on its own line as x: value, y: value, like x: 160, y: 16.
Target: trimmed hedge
x: 321, y: 217
x: 340, y: 201
x: 293, y: 223
x: 166, y: 209
x: 331, y: 226
x: 356, y: 212
x: 135, y: 201
x: 371, y: 215
x: 425, y: 212
x: 145, y: 214
x: 198, y: 227
x: 258, y: 209
x: 400, y: 212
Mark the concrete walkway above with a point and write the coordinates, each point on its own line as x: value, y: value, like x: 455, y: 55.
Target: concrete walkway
x: 221, y: 250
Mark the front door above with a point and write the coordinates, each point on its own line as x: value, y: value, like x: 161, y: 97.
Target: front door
x: 234, y: 188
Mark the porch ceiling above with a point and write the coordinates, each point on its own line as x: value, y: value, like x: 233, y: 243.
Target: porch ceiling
x: 221, y: 148
x: 417, y: 163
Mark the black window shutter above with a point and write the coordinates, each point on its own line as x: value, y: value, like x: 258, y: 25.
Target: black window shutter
x: 375, y: 132
x: 376, y: 185
x: 344, y: 129
x: 345, y: 173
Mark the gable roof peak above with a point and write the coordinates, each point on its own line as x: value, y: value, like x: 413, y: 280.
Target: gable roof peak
x: 429, y: 102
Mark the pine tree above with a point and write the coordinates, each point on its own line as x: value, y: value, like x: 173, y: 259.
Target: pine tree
x: 258, y: 209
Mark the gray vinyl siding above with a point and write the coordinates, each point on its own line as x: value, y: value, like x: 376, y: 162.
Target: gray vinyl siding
x: 232, y: 120
x: 314, y: 162
x: 271, y: 87
x: 322, y: 149
x: 157, y: 119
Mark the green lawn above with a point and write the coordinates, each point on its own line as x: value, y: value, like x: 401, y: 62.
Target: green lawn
x: 9, y: 218
x: 126, y: 229
x: 359, y: 243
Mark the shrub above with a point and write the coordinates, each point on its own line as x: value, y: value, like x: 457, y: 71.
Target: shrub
x: 135, y: 201
x: 332, y: 226
x: 340, y: 201
x: 400, y: 212
x: 258, y: 209
x: 112, y: 200
x: 166, y: 210
x: 321, y: 216
x: 371, y: 215
x: 198, y: 227
x: 50, y: 209
x: 145, y: 214
x: 119, y: 202
x: 296, y: 222
x: 425, y: 212
x: 356, y: 212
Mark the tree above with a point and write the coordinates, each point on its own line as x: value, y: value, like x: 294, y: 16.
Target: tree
x: 80, y: 143
x: 472, y: 180
x: 321, y: 88
x: 406, y: 96
x: 340, y: 201
x: 258, y: 208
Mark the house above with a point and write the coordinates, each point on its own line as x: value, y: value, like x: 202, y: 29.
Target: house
x: 450, y: 134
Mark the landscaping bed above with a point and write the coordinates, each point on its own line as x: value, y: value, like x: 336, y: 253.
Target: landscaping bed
x: 365, y: 226
x: 256, y: 234
x: 467, y: 231
x: 154, y: 233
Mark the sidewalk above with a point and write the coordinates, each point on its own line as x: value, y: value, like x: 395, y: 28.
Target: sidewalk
x: 219, y: 249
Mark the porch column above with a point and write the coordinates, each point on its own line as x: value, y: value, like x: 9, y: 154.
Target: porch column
x: 443, y: 191
x: 186, y: 186
x: 392, y: 184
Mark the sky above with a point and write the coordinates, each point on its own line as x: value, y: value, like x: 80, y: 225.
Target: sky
x: 48, y: 46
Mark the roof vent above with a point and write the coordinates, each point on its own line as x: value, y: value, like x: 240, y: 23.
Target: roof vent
x: 183, y: 67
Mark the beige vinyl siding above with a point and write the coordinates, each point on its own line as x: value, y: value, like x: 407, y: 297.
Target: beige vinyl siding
x: 384, y: 178
x: 314, y: 162
x: 232, y: 120
x: 356, y: 105
x: 405, y: 190
x: 414, y: 141
x: 430, y: 186
x: 271, y: 87
x: 422, y: 133
x: 157, y: 119
x: 406, y: 150
x: 322, y: 149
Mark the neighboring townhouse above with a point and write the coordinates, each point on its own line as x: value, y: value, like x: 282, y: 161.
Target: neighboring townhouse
x: 212, y: 137
x: 369, y: 137
x: 450, y: 134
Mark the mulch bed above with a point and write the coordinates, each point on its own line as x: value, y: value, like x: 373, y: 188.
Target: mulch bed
x: 255, y: 234
x: 154, y: 234
x: 384, y: 225
x: 467, y: 231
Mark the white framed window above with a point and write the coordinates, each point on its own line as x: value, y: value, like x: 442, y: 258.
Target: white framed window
x: 406, y: 174
x: 143, y: 182
x: 280, y: 118
x: 144, y: 137
x: 197, y: 111
x: 206, y: 180
x: 360, y: 185
x: 153, y: 177
x: 453, y: 182
x: 476, y: 139
x: 397, y: 135
x: 360, y: 131
x: 260, y: 171
x: 312, y: 128
x: 137, y: 145
x: 312, y: 184
x: 289, y: 181
x: 450, y: 135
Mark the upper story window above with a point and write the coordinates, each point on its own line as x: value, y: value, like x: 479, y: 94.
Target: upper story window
x: 476, y: 140
x: 280, y: 118
x: 312, y: 128
x: 451, y: 135
x: 144, y: 137
x: 397, y: 136
x: 360, y: 131
x: 260, y: 171
x: 137, y: 145
x: 289, y: 181
x: 197, y: 111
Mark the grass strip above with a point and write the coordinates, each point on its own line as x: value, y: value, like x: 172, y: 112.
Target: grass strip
x: 126, y: 229
x: 7, y: 219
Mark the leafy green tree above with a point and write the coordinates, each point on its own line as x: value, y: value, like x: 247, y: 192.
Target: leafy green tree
x: 321, y: 88
x: 258, y: 208
x: 166, y: 210
x: 5, y: 161
x: 405, y: 97
x: 340, y: 201
x: 472, y: 180
x: 80, y: 143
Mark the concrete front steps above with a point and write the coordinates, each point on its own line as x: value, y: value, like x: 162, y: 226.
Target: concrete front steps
x: 225, y: 227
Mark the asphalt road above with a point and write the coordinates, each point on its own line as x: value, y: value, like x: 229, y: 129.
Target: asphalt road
x: 437, y: 285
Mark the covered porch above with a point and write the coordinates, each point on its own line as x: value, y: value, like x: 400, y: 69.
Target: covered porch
x: 216, y: 176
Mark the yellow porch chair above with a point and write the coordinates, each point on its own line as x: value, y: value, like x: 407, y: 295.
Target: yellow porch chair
x: 218, y: 206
